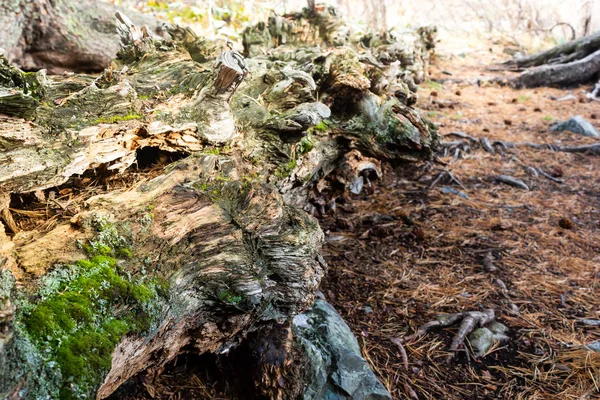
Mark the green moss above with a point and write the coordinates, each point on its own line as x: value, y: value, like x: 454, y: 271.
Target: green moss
x: 124, y: 252
x: 286, y: 169
x: 117, y: 118
x: 85, y: 310
x: 321, y: 127
x: 215, y: 151
x: 81, y: 323
x: 228, y: 297
x: 305, y: 145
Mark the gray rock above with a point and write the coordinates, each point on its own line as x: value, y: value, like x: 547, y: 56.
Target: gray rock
x: 335, y: 368
x: 482, y: 339
x: 595, y: 346
x: 577, y: 124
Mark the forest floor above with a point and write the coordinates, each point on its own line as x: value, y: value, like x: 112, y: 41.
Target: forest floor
x: 414, y: 248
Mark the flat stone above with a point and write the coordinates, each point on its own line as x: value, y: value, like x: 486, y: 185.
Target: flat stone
x: 577, y: 124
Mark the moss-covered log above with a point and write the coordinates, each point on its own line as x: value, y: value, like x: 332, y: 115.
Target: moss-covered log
x: 214, y: 248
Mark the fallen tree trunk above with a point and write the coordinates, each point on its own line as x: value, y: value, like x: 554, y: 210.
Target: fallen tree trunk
x: 572, y: 63
x: 214, y: 248
x: 61, y: 35
x: 576, y: 72
x: 561, y: 54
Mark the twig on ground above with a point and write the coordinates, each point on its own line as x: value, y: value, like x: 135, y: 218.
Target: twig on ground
x: 509, y: 180
x: 547, y: 175
x: 409, y: 390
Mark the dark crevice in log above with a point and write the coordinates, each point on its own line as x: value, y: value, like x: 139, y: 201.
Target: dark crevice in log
x: 149, y: 157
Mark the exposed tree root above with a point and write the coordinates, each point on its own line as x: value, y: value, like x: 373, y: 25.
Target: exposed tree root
x: 470, y: 319
x: 512, y: 181
x: 567, y: 52
x: 490, y: 147
x: 407, y: 388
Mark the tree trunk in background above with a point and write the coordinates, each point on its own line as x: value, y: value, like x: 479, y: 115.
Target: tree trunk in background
x: 572, y: 63
x: 61, y: 35
x: 215, y: 247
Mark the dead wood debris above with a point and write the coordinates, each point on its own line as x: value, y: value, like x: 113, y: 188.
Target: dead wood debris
x: 484, y: 142
x: 512, y: 181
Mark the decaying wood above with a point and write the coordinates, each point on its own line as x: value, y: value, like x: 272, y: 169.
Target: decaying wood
x: 231, y: 70
x: 214, y: 248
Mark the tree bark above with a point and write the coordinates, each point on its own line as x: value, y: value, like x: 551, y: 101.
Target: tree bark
x: 573, y: 50
x: 573, y: 73
x: 572, y: 63
x: 62, y: 35
x: 214, y: 248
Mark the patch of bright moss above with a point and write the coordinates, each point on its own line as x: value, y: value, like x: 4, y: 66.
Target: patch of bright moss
x: 117, y: 118
x: 305, y: 145
x: 85, y: 311
x: 321, y: 127
x: 79, y: 325
x: 215, y: 151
